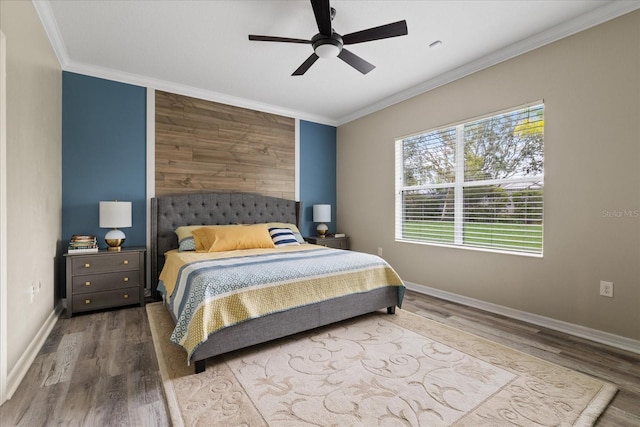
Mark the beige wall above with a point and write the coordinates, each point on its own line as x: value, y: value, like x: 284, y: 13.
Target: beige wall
x: 34, y: 173
x: 590, y: 84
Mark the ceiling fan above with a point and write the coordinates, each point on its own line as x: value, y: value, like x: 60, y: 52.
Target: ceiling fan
x: 327, y: 43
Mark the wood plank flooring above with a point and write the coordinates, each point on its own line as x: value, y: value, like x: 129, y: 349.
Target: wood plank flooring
x: 97, y: 369
x: 100, y: 369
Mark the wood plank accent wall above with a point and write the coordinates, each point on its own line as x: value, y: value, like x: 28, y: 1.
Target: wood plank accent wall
x: 206, y: 146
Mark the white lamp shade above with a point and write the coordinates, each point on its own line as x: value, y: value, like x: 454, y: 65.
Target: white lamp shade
x: 321, y: 213
x: 115, y: 214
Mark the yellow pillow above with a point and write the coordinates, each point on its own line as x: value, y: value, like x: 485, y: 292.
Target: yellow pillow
x: 185, y: 233
x: 232, y: 237
x: 201, y: 238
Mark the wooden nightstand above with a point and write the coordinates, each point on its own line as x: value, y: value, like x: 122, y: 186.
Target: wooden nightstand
x: 105, y: 279
x: 330, y: 242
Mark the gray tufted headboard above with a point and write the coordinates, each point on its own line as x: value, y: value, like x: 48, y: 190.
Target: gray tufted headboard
x: 171, y: 212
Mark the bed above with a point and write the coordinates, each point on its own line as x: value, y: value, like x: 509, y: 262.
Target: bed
x: 168, y: 213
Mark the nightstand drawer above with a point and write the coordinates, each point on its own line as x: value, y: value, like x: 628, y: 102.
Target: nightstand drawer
x: 106, y: 299
x: 104, y: 263
x: 330, y: 242
x: 336, y: 243
x: 105, y: 282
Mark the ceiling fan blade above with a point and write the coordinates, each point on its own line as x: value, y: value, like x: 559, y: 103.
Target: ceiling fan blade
x: 355, y: 61
x: 322, y: 12
x: 306, y: 65
x: 394, y: 29
x: 277, y: 39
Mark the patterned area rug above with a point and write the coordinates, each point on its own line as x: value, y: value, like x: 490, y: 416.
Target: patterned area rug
x: 375, y: 370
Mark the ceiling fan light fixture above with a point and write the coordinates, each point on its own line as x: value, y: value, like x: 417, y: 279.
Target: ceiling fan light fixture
x: 327, y: 50
x: 327, y: 47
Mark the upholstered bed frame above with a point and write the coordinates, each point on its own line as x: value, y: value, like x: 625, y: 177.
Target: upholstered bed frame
x: 171, y: 212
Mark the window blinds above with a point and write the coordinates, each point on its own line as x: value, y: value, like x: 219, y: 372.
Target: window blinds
x: 477, y: 184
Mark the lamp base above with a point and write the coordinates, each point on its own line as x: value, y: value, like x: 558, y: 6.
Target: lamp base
x: 114, y: 239
x: 322, y: 230
x: 114, y: 245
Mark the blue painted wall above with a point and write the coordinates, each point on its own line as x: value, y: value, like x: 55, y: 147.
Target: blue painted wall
x: 317, y: 173
x: 103, y: 154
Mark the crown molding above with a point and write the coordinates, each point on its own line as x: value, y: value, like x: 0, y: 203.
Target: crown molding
x: 180, y: 89
x: 45, y: 13
x: 566, y: 29
x: 610, y: 11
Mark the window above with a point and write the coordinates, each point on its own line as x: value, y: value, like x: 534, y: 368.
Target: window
x: 478, y: 184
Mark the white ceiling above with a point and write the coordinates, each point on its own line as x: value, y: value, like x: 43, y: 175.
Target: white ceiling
x: 200, y: 48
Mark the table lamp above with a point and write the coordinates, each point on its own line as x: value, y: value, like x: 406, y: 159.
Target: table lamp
x: 115, y: 215
x: 322, y: 214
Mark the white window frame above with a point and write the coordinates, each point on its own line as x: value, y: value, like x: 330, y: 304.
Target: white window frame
x: 458, y: 186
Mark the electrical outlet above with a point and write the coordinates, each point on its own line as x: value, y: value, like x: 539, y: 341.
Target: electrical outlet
x: 606, y: 289
x: 379, y: 251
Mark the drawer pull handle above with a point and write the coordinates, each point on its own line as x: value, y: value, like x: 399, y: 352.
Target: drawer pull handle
x: 126, y: 279
x: 126, y: 262
x: 87, y: 301
x: 87, y: 265
x: 87, y: 283
x: 126, y: 296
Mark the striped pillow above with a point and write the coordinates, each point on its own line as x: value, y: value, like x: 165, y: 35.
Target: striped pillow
x: 283, y: 237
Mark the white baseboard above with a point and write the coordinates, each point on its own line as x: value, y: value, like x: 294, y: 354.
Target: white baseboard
x: 15, y: 377
x: 601, y: 337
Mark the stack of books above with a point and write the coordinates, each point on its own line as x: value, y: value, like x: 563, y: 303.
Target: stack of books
x: 82, y: 244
